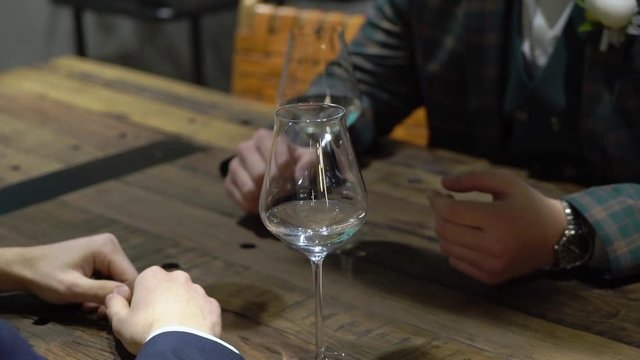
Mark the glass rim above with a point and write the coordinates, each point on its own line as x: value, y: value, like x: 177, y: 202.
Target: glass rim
x: 339, y: 115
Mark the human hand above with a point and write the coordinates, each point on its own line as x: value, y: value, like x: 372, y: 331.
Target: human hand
x: 496, y: 241
x: 61, y: 273
x: 162, y: 299
x: 246, y: 170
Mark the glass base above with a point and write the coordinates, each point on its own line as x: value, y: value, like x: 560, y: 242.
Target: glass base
x: 327, y: 355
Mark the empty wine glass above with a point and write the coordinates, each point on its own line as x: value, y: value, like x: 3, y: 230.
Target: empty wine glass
x: 313, y: 197
x: 318, y: 69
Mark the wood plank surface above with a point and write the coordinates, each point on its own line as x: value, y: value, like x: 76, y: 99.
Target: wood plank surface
x: 398, y: 299
x: 390, y: 296
x: 39, y: 134
x: 200, y: 114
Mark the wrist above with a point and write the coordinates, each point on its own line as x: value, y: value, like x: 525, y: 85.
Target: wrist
x: 195, y: 325
x: 13, y: 262
x: 556, y: 227
x: 182, y: 328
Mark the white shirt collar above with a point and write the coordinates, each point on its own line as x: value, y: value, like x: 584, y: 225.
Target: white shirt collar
x: 542, y: 24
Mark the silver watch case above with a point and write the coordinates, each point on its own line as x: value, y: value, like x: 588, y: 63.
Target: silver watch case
x: 575, y: 246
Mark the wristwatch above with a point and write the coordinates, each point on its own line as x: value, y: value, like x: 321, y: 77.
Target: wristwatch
x: 575, y: 246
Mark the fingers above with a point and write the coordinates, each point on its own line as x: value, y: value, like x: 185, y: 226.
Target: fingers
x: 305, y: 158
x: 90, y: 307
x: 505, y: 247
x: 117, y: 305
x: 247, y: 169
x: 469, y: 248
x: 467, y: 237
x: 117, y: 308
x: 470, y: 213
x: 499, y: 183
x: 462, y: 228
x: 111, y: 261
x: 263, y: 139
x: 178, y: 301
x: 252, y: 161
x: 215, y: 311
x: 241, y: 187
x: 485, y: 263
x: 83, y: 289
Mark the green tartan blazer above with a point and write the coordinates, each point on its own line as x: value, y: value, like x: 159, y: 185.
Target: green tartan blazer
x: 451, y: 55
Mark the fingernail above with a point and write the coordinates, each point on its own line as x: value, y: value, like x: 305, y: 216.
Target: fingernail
x: 122, y: 291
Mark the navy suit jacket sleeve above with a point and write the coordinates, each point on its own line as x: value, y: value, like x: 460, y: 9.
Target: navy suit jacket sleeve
x: 13, y: 346
x: 178, y: 345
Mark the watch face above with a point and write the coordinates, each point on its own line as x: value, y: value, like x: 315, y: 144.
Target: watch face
x: 574, y: 250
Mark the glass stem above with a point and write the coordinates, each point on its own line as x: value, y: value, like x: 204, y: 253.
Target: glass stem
x: 316, y: 267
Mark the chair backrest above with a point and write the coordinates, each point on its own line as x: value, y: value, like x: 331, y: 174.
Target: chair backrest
x: 261, y: 38
x: 262, y: 34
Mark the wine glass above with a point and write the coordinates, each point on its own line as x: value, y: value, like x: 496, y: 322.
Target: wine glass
x: 318, y: 69
x: 313, y: 197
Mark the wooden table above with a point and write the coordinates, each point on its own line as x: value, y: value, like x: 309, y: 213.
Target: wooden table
x: 392, y: 297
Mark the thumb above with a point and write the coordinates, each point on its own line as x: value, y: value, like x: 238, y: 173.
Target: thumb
x: 117, y: 305
x: 499, y: 183
x: 91, y: 290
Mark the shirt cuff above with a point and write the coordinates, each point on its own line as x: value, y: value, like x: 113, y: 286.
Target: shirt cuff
x: 600, y: 259
x: 191, y: 331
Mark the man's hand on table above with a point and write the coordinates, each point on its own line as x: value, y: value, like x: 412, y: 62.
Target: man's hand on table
x: 63, y: 272
x: 496, y: 241
x: 161, y: 299
x: 243, y: 181
x: 246, y: 170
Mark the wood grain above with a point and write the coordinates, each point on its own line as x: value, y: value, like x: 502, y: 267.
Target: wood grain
x: 39, y: 135
x: 407, y: 313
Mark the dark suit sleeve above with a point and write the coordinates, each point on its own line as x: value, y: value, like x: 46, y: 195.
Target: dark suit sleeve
x: 385, y: 67
x: 178, y: 345
x: 13, y: 346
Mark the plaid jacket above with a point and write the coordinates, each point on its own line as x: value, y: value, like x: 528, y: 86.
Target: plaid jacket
x: 452, y: 57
